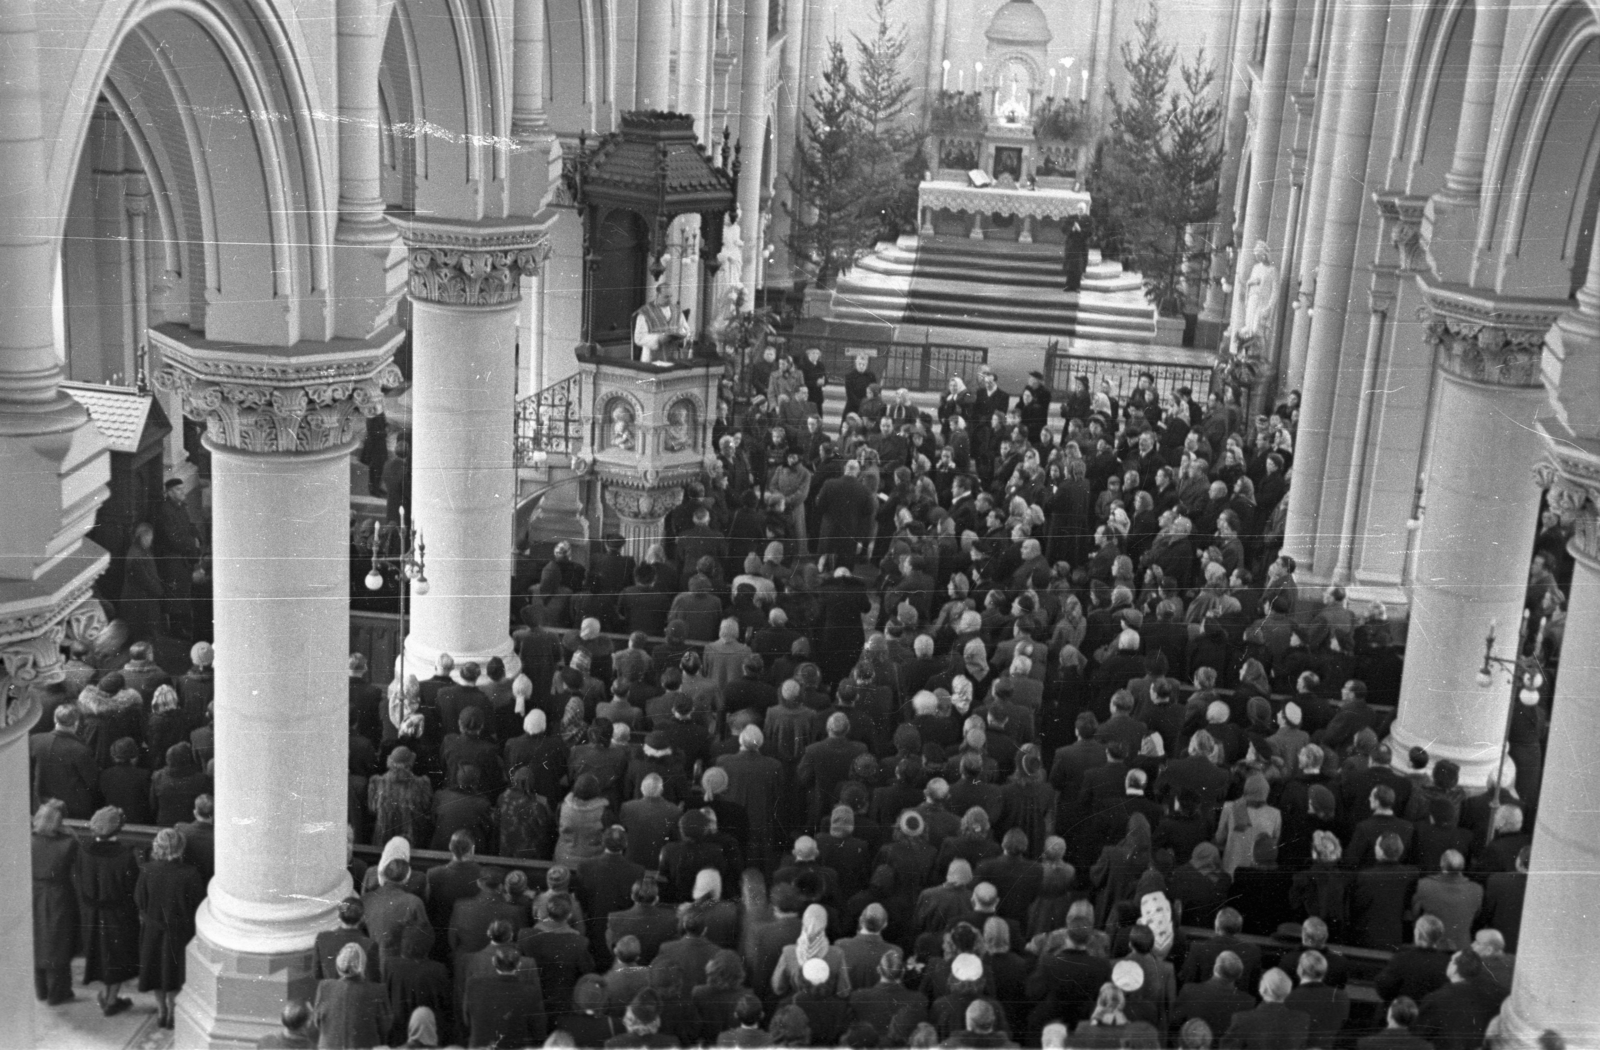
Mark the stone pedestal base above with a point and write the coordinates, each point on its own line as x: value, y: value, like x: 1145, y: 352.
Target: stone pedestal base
x: 232, y: 999
x: 421, y: 657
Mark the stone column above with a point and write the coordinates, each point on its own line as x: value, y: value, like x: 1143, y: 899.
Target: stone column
x: 642, y: 514
x: 653, y: 48
x: 753, y: 133
x: 535, y: 150
x: 280, y: 425
x: 1362, y: 50
x: 1265, y: 150
x: 56, y: 466
x: 1214, y: 312
x: 938, y: 32
x: 1381, y: 301
x: 791, y: 100
x: 366, y: 252
x: 465, y: 291
x: 1331, y: 88
x: 1450, y: 222
x: 694, y: 65
x: 1100, y: 71
x: 1476, y: 539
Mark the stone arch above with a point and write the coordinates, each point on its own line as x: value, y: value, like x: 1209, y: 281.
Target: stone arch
x: 1432, y: 91
x: 1543, y: 157
x: 212, y: 99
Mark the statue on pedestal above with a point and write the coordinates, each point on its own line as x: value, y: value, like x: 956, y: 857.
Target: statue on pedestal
x: 1260, y: 300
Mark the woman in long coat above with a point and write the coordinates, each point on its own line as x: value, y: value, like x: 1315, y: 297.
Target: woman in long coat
x: 107, y: 873
x: 168, y: 893
x: 55, y: 905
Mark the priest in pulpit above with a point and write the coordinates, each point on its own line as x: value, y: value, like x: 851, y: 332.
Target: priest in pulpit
x: 657, y: 332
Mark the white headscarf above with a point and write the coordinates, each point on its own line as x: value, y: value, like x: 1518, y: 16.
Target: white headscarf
x: 813, y: 942
x: 396, y: 848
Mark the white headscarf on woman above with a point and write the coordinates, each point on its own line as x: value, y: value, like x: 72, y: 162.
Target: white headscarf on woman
x: 707, y: 885
x: 813, y: 942
x: 396, y: 848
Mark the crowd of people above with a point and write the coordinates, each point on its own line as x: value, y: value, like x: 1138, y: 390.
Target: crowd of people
x: 986, y: 726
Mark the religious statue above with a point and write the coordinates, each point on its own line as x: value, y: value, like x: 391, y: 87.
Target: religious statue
x: 655, y: 330
x: 1260, y: 299
x: 622, y: 426
x: 680, y: 428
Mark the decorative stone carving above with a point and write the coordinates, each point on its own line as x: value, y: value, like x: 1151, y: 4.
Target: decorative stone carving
x: 30, y: 644
x: 1402, y: 213
x: 1572, y: 489
x: 647, y: 505
x: 283, y: 399
x: 459, y: 264
x: 1485, y: 338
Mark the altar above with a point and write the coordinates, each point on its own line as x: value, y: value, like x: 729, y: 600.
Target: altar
x: 1046, y: 202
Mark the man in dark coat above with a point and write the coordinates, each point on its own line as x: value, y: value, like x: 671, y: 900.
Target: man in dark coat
x: 856, y: 382
x: 1379, y: 899
x: 326, y: 948
x: 653, y: 923
x: 366, y: 699
x: 1454, y: 1016
x: 605, y: 885
x: 560, y: 953
x: 1075, y: 252
x: 503, y: 1009
x: 199, y: 837
x: 1272, y: 1025
x: 754, y: 781
x: 415, y: 980
x: 1216, y: 1000
x: 826, y: 764
x: 1328, y: 1008
x: 177, y: 550
x: 846, y: 511
x: 1066, y: 981
x: 64, y: 767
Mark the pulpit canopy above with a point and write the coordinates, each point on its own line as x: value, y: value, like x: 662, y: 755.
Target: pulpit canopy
x: 628, y: 187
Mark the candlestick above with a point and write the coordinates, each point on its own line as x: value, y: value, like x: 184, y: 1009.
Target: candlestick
x: 1084, y: 95
x: 961, y: 81
x: 977, y: 76
x: 1052, y: 91
x: 944, y: 78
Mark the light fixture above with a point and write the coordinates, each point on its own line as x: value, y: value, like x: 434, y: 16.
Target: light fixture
x: 1484, y: 679
x: 374, y: 580
x: 420, y: 586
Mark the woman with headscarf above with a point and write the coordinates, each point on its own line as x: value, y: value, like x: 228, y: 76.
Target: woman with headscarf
x: 722, y: 917
x: 811, y: 944
x: 1108, y: 1026
x: 168, y: 725
x: 1323, y: 889
x: 524, y: 821
x: 584, y: 816
x: 352, y: 1013
x: 168, y: 893
x: 716, y: 1000
x: 1245, y: 819
x: 1119, y: 867
x: 397, y: 848
x: 55, y: 905
x: 107, y: 873
x: 111, y: 710
x: 422, y: 1030
x: 401, y: 802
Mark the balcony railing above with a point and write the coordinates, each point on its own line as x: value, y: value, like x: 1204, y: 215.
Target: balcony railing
x: 550, y: 422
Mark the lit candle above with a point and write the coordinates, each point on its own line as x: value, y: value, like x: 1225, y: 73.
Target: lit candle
x: 1084, y: 95
x: 977, y: 76
x: 1052, y: 91
x: 944, y: 78
x: 961, y: 81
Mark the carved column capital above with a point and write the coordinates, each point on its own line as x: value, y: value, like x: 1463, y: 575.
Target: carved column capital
x: 30, y: 642
x: 1402, y: 216
x: 1485, y: 338
x: 643, y: 505
x: 471, y: 264
x: 1571, y: 482
x: 302, y: 398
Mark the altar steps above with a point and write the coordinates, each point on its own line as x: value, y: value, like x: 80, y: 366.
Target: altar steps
x: 1005, y: 288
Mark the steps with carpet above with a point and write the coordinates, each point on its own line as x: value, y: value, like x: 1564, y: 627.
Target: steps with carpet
x: 994, y: 287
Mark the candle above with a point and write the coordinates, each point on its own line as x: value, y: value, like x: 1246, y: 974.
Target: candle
x: 1052, y: 91
x: 1084, y: 96
x: 944, y: 78
x: 977, y: 76
x: 961, y: 81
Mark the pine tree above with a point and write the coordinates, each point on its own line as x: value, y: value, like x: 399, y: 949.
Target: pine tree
x: 827, y: 174
x: 1190, y: 162
x: 1125, y: 184
x: 885, y: 143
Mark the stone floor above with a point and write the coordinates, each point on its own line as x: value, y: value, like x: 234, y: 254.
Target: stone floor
x: 80, y: 1025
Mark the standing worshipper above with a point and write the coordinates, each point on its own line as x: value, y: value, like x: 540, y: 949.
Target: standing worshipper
x: 168, y: 893
x: 1075, y: 253
x: 107, y: 874
x: 352, y: 1013
x: 55, y: 906
x: 177, y: 545
x: 142, y: 590
x: 856, y: 383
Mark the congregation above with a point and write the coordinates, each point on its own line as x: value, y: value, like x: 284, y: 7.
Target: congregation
x: 978, y: 727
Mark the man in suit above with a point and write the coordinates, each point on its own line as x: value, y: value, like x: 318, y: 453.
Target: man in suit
x: 467, y: 929
x: 1013, y: 875
x: 826, y: 764
x: 1439, y: 834
x: 845, y: 510
x: 878, y: 1004
x: 1074, y: 760
x: 649, y: 920
x: 1454, y: 1016
x: 1418, y: 968
x: 1382, y: 822
x: 1502, y: 901
x: 605, y: 884
x: 1398, y: 1033
x: 643, y: 606
x: 1067, y: 979
x: 754, y: 781
x: 503, y: 1009
x: 1272, y: 1025
x: 1328, y: 1008
x: 1380, y: 897
x: 199, y: 837
x: 863, y: 952
x: 1215, y: 1000
x: 764, y: 946
x: 1451, y: 897
x: 1354, y: 715
x: 325, y: 950
x: 1198, y: 772
x: 455, y: 880
x: 692, y: 951
x: 1202, y: 956
x: 64, y: 767
x: 560, y: 953
x: 1314, y: 938
x: 366, y: 699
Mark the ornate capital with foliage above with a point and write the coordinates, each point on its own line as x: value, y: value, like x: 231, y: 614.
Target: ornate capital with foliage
x: 1572, y: 490
x: 471, y: 264
x: 283, y: 399
x: 1487, y: 339
x: 1402, y: 213
x: 30, y: 643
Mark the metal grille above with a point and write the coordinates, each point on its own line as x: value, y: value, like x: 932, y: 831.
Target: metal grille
x: 1062, y: 367
x: 914, y: 366
x: 551, y: 421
